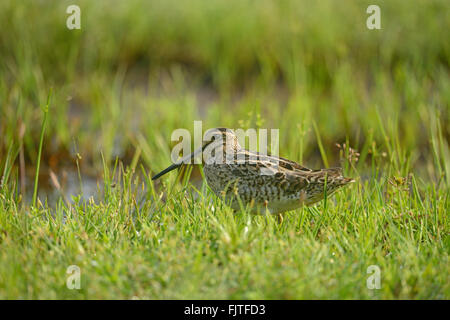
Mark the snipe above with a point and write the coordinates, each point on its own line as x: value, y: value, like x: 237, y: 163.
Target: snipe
x: 264, y: 182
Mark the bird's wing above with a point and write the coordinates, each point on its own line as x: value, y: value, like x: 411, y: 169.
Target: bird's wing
x: 292, y: 165
x: 272, y: 170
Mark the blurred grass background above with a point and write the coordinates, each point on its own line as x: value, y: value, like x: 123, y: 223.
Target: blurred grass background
x: 137, y: 70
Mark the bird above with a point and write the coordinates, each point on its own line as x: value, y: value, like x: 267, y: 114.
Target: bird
x: 265, y: 184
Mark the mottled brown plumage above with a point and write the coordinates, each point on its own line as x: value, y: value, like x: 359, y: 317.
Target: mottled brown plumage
x: 263, y: 182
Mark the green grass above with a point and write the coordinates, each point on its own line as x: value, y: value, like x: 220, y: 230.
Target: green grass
x: 190, y: 245
x: 137, y: 70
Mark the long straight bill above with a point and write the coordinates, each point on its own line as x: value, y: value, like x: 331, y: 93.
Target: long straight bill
x: 186, y: 159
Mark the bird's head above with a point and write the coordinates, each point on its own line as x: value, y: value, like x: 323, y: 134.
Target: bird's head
x: 217, y: 144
